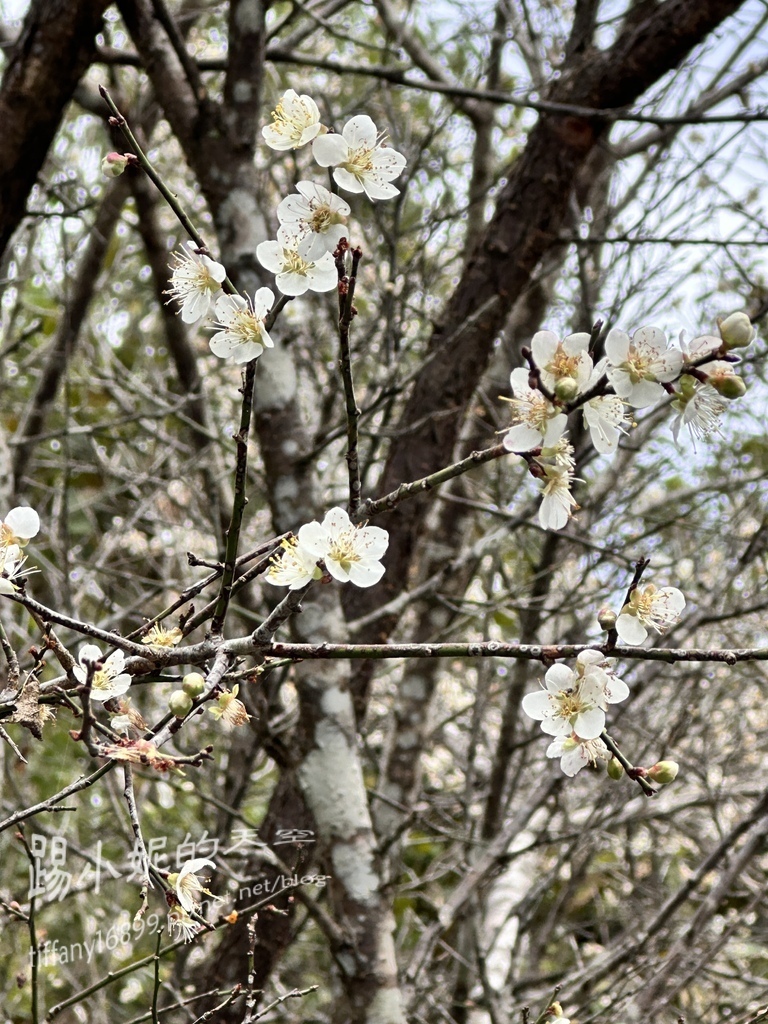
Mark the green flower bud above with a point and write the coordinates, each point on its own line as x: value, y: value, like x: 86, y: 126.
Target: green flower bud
x: 663, y: 772
x: 606, y: 617
x: 193, y: 684
x: 687, y: 386
x: 114, y: 164
x: 736, y: 330
x: 615, y: 769
x: 729, y: 386
x: 566, y: 389
x: 180, y: 703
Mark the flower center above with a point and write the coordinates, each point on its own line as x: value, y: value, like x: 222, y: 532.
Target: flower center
x: 342, y: 550
x: 293, y: 263
x: 245, y: 325
x: 321, y: 219
x: 563, y: 365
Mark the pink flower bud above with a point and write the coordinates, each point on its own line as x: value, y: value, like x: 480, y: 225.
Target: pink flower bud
x: 114, y: 164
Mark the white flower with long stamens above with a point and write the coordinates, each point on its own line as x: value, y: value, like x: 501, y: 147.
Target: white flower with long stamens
x: 295, y: 566
x: 698, y: 407
x: 315, y: 217
x: 606, y: 418
x: 187, y: 884
x: 295, y: 122
x: 19, y: 527
x: 195, y: 282
x: 229, y: 709
x: 536, y: 421
x: 351, y: 553
x: 295, y: 275
x: 242, y: 335
x: 558, y: 360
x: 649, y: 608
x: 12, y: 570
x: 361, y: 160
x: 109, y: 679
x: 638, y: 365
x: 558, y: 503
x: 576, y: 753
x: 179, y: 919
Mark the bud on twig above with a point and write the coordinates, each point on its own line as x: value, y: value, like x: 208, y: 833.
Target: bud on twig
x: 663, y: 772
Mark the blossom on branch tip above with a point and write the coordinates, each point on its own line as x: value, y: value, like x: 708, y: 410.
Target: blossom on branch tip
x: 295, y: 566
x: 108, y: 680
x: 649, y: 608
x: 295, y: 122
x: 554, y: 467
x: 186, y: 883
x: 229, y: 709
x: 576, y: 753
x: 242, y: 335
x: 558, y: 360
x: 351, y: 553
x: 535, y: 420
x: 638, y: 365
x: 575, y: 700
x: 12, y: 570
x: 179, y: 919
x: 315, y: 217
x: 159, y: 636
x: 295, y: 275
x: 362, y: 162
x: 195, y: 281
x: 698, y: 407
x: 606, y: 418
x: 19, y: 527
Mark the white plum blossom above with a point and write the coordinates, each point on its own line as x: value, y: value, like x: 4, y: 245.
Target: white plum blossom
x: 195, y: 282
x: 649, y: 608
x: 536, y: 421
x: 12, y: 569
x: 575, y: 700
x: 555, y: 469
x: 295, y: 275
x: 576, y: 753
x: 361, y: 160
x: 179, y: 919
x: 315, y: 217
x: 606, y: 417
x: 108, y: 681
x: 295, y: 566
x: 19, y: 527
x: 351, y: 553
x: 558, y: 360
x: 295, y: 122
x: 637, y: 365
x: 242, y: 335
x: 187, y: 884
x: 698, y: 407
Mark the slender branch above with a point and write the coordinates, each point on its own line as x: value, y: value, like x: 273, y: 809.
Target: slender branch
x: 290, y: 604
x: 373, y: 506
x: 120, y: 122
x: 50, y: 803
x: 141, y: 849
x: 238, y: 505
x: 627, y: 765
x: 346, y: 312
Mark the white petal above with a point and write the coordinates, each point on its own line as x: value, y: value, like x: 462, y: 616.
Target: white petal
x: 630, y: 629
x: 24, y: 522
x: 359, y: 132
x: 329, y: 150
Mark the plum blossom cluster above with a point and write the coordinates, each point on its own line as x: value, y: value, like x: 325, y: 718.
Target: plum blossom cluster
x: 313, y: 220
x: 636, y: 371
x: 649, y: 608
x: 348, y: 553
x: 16, y: 531
x: 571, y: 708
x: 186, y: 884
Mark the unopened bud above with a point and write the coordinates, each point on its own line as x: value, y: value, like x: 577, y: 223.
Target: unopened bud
x: 114, y: 164
x: 180, y: 703
x: 193, y: 684
x: 606, y: 617
x: 555, y: 1010
x: 730, y: 386
x: 615, y: 769
x: 736, y: 330
x: 663, y: 772
x: 566, y: 389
